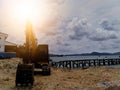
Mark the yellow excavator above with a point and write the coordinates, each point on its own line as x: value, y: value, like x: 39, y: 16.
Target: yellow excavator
x: 35, y: 59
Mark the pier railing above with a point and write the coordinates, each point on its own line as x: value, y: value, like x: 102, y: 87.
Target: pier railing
x: 85, y: 63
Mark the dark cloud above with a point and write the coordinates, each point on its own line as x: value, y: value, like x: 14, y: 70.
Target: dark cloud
x: 109, y: 24
x: 79, y: 27
x: 66, y: 44
x: 106, y: 24
x: 79, y: 33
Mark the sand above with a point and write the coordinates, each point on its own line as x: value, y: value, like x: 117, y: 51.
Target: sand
x: 94, y: 78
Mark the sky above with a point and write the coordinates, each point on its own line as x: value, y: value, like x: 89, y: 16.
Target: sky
x: 67, y: 26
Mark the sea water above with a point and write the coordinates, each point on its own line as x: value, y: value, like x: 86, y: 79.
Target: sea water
x: 63, y: 58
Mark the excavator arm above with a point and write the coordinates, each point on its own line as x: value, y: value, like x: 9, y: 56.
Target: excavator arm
x: 31, y: 43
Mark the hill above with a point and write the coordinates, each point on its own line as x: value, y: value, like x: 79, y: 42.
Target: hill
x: 86, y: 54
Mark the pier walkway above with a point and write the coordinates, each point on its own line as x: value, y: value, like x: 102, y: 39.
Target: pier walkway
x: 85, y: 63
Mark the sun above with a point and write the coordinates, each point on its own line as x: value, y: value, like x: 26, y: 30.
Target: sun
x: 29, y: 9
x: 25, y: 10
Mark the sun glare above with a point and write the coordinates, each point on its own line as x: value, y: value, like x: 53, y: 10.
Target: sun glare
x: 29, y: 9
x: 25, y: 10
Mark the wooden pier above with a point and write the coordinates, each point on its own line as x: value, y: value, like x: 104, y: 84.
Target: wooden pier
x: 72, y: 64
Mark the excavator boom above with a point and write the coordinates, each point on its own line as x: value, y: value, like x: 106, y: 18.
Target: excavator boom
x: 31, y: 43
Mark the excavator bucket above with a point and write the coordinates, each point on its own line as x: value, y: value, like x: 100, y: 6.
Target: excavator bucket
x: 25, y: 75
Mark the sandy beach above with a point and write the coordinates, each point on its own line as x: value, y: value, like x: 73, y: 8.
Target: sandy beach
x: 94, y: 78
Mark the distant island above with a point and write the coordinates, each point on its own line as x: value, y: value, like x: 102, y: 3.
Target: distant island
x: 86, y: 54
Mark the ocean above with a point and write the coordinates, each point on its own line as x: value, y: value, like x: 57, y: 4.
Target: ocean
x: 63, y: 58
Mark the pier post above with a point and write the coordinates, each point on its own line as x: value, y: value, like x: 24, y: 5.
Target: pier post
x: 61, y: 64
x: 108, y: 62
x: 94, y: 63
x: 103, y: 61
x: 75, y: 64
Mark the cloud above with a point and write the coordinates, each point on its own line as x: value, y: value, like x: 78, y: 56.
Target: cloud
x: 79, y: 27
x: 102, y: 35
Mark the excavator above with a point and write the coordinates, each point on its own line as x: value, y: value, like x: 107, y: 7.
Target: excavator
x: 35, y: 59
